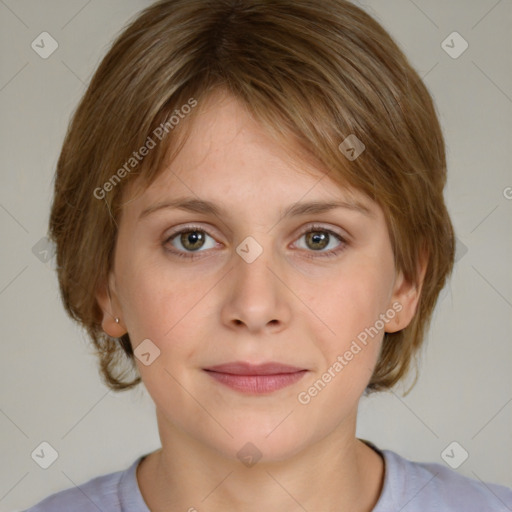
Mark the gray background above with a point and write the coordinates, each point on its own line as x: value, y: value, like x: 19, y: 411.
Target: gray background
x: 50, y: 389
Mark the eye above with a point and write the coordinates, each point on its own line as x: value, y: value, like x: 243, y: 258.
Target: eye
x: 191, y: 239
x: 318, y: 238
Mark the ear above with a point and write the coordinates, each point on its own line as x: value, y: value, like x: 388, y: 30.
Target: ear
x: 407, y: 294
x: 108, y: 301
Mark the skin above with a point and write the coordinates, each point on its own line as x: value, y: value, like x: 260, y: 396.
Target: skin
x: 289, y: 305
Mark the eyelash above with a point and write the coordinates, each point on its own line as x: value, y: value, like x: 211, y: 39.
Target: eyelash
x: 312, y: 229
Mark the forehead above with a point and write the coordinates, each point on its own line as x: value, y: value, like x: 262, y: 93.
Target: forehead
x: 229, y: 157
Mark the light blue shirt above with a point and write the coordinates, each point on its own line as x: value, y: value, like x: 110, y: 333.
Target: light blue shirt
x: 408, y: 487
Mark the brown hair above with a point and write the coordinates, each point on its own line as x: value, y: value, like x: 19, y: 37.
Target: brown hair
x: 312, y: 70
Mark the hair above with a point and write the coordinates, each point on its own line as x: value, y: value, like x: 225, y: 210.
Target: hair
x: 310, y: 71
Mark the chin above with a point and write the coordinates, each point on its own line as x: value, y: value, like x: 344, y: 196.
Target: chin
x: 261, y: 443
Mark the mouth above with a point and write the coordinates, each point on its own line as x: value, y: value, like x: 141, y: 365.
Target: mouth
x: 256, y: 379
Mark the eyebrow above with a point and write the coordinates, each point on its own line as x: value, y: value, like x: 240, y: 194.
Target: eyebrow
x: 305, y: 208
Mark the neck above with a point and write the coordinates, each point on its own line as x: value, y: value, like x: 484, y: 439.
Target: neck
x: 338, y: 472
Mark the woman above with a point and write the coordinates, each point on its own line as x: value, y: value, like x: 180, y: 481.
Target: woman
x: 249, y: 211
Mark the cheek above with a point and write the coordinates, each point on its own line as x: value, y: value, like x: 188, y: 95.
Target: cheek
x: 350, y: 347
x: 360, y: 294
x: 164, y: 304
x: 149, y: 304
x: 352, y: 312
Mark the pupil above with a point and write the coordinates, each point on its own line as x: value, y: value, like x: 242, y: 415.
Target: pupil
x: 318, y: 238
x: 191, y: 239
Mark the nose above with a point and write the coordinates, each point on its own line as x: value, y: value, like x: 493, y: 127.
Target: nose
x: 257, y: 295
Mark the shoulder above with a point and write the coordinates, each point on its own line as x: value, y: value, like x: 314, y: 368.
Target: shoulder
x: 98, y: 493
x: 423, y: 486
x: 110, y: 492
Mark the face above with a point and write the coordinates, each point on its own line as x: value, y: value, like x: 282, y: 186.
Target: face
x: 253, y: 282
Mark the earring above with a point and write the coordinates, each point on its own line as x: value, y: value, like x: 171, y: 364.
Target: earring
x: 110, y: 299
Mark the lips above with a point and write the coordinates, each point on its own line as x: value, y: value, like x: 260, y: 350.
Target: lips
x: 241, y: 368
x: 256, y: 379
